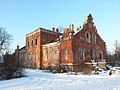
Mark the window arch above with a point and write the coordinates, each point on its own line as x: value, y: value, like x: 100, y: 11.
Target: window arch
x: 28, y: 44
x: 101, y: 55
x: 94, y: 38
x: 87, y: 35
x: 45, y: 54
x: 82, y: 55
x: 92, y: 54
x: 35, y: 41
x: 50, y: 54
x: 32, y: 43
x: 66, y: 54
x: 56, y: 54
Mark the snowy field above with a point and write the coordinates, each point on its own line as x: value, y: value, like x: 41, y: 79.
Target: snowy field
x: 38, y: 80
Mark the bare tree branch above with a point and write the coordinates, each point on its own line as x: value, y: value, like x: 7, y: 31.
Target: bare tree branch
x: 5, y: 39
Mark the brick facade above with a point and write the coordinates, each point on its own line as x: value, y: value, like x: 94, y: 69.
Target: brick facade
x: 34, y: 40
x: 72, y: 49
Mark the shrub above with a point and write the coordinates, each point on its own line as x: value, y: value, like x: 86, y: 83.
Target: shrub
x: 59, y: 69
x: 11, y: 68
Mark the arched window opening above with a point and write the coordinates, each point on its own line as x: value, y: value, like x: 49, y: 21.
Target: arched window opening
x: 50, y: 54
x: 82, y: 54
x: 28, y: 44
x: 94, y: 38
x: 66, y: 54
x: 92, y: 54
x: 45, y: 54
x: 56, y: 54
x: 35, y: 41
x: 87, y: 37
x: 32, y: 43
x: 101, y: 55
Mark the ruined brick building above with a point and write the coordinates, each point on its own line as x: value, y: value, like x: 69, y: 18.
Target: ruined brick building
x: 74, y: 50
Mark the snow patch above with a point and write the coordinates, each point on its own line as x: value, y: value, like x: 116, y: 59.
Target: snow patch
x: 39, y: 80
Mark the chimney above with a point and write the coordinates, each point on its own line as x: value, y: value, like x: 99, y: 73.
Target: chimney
x: 65, y: 30
x: 17, y: 47
x: 53, y: 29
x: 56, y: 29
x: 71, y: 27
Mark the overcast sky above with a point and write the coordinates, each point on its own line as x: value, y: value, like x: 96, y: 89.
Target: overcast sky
x: 20, y: 17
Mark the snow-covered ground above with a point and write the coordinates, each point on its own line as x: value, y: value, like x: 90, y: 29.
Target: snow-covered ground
x: 38, y: 80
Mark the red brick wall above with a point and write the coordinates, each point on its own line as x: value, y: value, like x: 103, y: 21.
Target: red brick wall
x: 43, y: 36
x: 35, y: 49
x: 48, y: 36
x: 69, y: 41
x: 51, y: 55
x: 80, y: 42
x: 66, y: 44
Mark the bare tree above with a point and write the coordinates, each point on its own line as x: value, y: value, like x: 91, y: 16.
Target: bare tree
x: 61, y: 29
x: 5, y: 39
x: 109, y: 57
x: 11, y: 67
x: 116, y: 51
